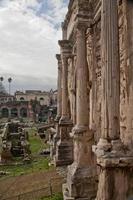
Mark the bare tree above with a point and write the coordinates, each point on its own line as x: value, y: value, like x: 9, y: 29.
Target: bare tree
x: 1, y: 79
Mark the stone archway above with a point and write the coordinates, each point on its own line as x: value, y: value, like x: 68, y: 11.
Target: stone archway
x: 22, y: 99
x: 23, y: 112
x: 5, y: 113
x: 14, y: 112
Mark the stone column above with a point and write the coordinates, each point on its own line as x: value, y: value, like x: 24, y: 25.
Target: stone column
x: 113, y: 160
x: 81, y: 174
x: 9, y: 113
x: 129, y: 134
x: 59, y: 97
x: 19, y: 116
x: 111, y: 73
x: 64, y: 153
x: 59, y: 103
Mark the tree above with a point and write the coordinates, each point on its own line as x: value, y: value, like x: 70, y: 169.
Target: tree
x: 1, y: 79
x: 9, y: 81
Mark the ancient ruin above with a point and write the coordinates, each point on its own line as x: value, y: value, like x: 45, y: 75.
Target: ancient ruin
x: 95, y: 103
x: 14, y: 143
x: 32, y: 105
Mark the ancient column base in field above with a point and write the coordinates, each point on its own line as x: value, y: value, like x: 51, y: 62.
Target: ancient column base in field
x: 81, y: 178
x: 64, y: 149
x: 116, y: 171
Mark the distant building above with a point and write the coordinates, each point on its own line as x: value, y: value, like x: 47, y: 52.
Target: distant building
x: 44, y: 98
x: 33, y: 104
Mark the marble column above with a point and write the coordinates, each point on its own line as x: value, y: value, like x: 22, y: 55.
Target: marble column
x: 81, y: 174
x: 64, y: 152
x: 59, y: 104
x: 115, y: 164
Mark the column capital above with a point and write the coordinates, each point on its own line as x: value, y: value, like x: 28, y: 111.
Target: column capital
x: 65, y: 44
x: 58, y: 57
x: 66, y: 47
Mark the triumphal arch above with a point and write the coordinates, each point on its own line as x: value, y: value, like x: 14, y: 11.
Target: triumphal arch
x: 94, y: 122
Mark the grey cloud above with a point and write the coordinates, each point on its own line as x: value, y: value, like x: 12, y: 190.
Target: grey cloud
x: 22, y: 83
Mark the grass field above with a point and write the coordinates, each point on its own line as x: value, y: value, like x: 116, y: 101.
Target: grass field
x: 38, y: 162
x: 54, y: 197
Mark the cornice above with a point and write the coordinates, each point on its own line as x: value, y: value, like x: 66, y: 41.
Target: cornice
x: 65, y: 44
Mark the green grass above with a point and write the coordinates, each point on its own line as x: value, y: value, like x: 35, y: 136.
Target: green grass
x: 54, y: 197
x: 38, y: 163
x: 36, y: 144
x: 41, y: 164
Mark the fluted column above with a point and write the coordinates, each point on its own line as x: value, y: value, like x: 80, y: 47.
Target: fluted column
x: 59, y: 85
x: 59, y: 106
x: 82, y: 97
x: 65, y: 54
x: 111, y: 73
x: 64, y: 146
x: 114, y: 161
x: 64, y: 88
x: 129, y: 134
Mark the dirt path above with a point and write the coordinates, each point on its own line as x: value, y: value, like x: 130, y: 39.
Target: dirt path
x: 27, y: 183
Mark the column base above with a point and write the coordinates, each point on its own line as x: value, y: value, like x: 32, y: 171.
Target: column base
x: 66, y: 194
x: 111, y: 149
x: 64, y: 149
x: 64, y: 153
x: 115, y: 179
x: 81, y: 183
x: 116, y: 172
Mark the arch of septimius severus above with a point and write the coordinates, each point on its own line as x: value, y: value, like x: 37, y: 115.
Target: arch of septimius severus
x: 95, y: 100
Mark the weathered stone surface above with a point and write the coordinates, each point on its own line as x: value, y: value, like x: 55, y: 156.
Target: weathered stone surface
x: 100, y: 102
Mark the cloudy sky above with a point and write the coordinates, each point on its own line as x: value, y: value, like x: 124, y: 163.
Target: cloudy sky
x: 29, y: 31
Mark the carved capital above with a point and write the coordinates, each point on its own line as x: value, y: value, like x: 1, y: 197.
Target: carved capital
x: 65, y: 44
x: 66, y: 48
x: 58, y: 56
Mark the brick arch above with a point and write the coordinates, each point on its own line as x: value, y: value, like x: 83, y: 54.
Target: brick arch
x: 22, y: 99
x: 5, y: 112
x: 14, y: 112
x: 23, y: 112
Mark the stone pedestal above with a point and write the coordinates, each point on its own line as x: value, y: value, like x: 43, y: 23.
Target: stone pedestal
x: 81, y: 177
x: 64, y: 148
x: 116, y: 173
